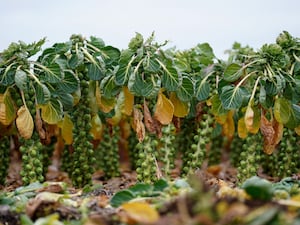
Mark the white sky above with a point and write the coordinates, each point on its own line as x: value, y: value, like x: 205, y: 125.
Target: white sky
x: 184, y: 22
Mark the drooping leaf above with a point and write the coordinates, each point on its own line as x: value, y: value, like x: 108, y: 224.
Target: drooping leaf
x: 254, y: 128
x: 24, y: 122
x: 121, y: 197
x: 228, y: 126
x: 242, y: 130
x: 43, y: 94
x: 233, y: 97
x: 202, y: 89
x: 140, y: 212
x: 52, y: 111
x: 104, y: 104
x: 70, y: 82
x: 7, y: 76
x: 7, y: 109
x: 181, y: 108
x: 249, y: 117
x: 294, y: 119
x: 128, y: 101
x: 66, y: 125
x: 171, y: 79
x: 232, y: 72
x: 97, y: 127
x: 282, y: 110
x: 164, y: 109
x: 95, y: 72
x: 109, y: 87
x: 39, y: 125
x: 21, y: 79
x: 186, y: 91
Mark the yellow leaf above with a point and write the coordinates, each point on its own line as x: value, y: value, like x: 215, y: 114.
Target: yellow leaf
x: 181, y: 109
x: 242, y: 131
x: 51, y: 112
x: 104, y: 104
x: 97, y: 127
x: 77, y: 96
x: 164, y: 109
x: 66, y: 126
x: 221, y: 119
x: 249, y: 117
x: 128, y: 101
x: 24, y: 122
x: 7, y: 109
x: 140, y: 212
x: 228, y: 126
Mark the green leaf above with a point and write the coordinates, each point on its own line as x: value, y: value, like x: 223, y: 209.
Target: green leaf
x: 270, y: 88
x: 258, y: 188
x: 282, y: 110
x: 216, y: 106
x: 136, y: 42
x: 141, y: 189
x: 52, y: 112
x: 233, y: 97
x: 232, y: 72
x: 144, y: 87
x: 294, y: 119
x: 66, y: 99
x: 112, y: 53
x: 51, y: 73
x: 70, y: 82
x: 108, y: 87
x: 43, y: 94
x: 151, y: 65
x: 202, y: 89
x: 7, y: 76
x: 171, y: 79
x: 21, y: 79
x: 186, y: 91
x: 95, y: 72
x: 125, y: 67
x: 76, y: 60
x: 97, y: 42
x: 160, y: 185
x: 121, y: 197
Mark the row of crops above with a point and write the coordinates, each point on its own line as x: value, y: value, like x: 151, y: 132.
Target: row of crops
x: 97, y: 105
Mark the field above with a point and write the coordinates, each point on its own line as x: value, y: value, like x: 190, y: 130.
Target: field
x: 91, y: 134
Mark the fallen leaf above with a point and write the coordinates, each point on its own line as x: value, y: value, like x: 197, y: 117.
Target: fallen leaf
x: 140, y: 212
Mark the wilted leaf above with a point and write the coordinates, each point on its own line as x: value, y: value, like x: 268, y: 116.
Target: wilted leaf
x: 282, y: 110
x: 97, y: 127
x: 181, y: 109
x: 272, y: 133
x: 249, y: 117
x: 140, y: 212
x: 24, y: 122
x: 242, y: 130
x: 52, y: 111
x: 149, y: 121
x: 7, y: 109
x: 164, y: 109
x: 39, y: 125
x: 66, y: 126
x: 297, y: 130
x: 128, y: 101
x: 138, y: 124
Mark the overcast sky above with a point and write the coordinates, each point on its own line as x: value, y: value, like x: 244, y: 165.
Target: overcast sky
x: 184, y: 23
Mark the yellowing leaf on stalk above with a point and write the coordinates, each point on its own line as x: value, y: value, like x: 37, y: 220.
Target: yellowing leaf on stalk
x: 254, y: 128
x: 297, y: 130
x: 228, y: 126
x: 24, y: 122
x: 97, y: 127
x: 104, y: 104
x: 242, y: 130
x: 140, y: 212
x: 7, y: 109
x: 164, y: 110
x: 181, y: 109
x: 138, y: 124
x: 128, y: 101
x: 66, y: 126
x: 52, y: 112
x: 249, y: 117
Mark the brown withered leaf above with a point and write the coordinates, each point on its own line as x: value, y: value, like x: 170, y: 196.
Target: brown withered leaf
x: 177, y: 123
x: 138, y: 124
x: 148, y: 120
x: 272, y: 133
x: 39, y: 125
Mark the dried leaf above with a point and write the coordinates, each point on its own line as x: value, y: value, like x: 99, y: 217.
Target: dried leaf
x: 39, y: 125
x: 164, y: 110
x: 140, y: 212
x: 24, y: 122
x: 7, y: 109
x: 278, y: 128
x: 181, y: 109
x: 148, y: 120
x: 138, y: 124
x: 249, y: 117
x: 128, y: 101
x: 242, y: 130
